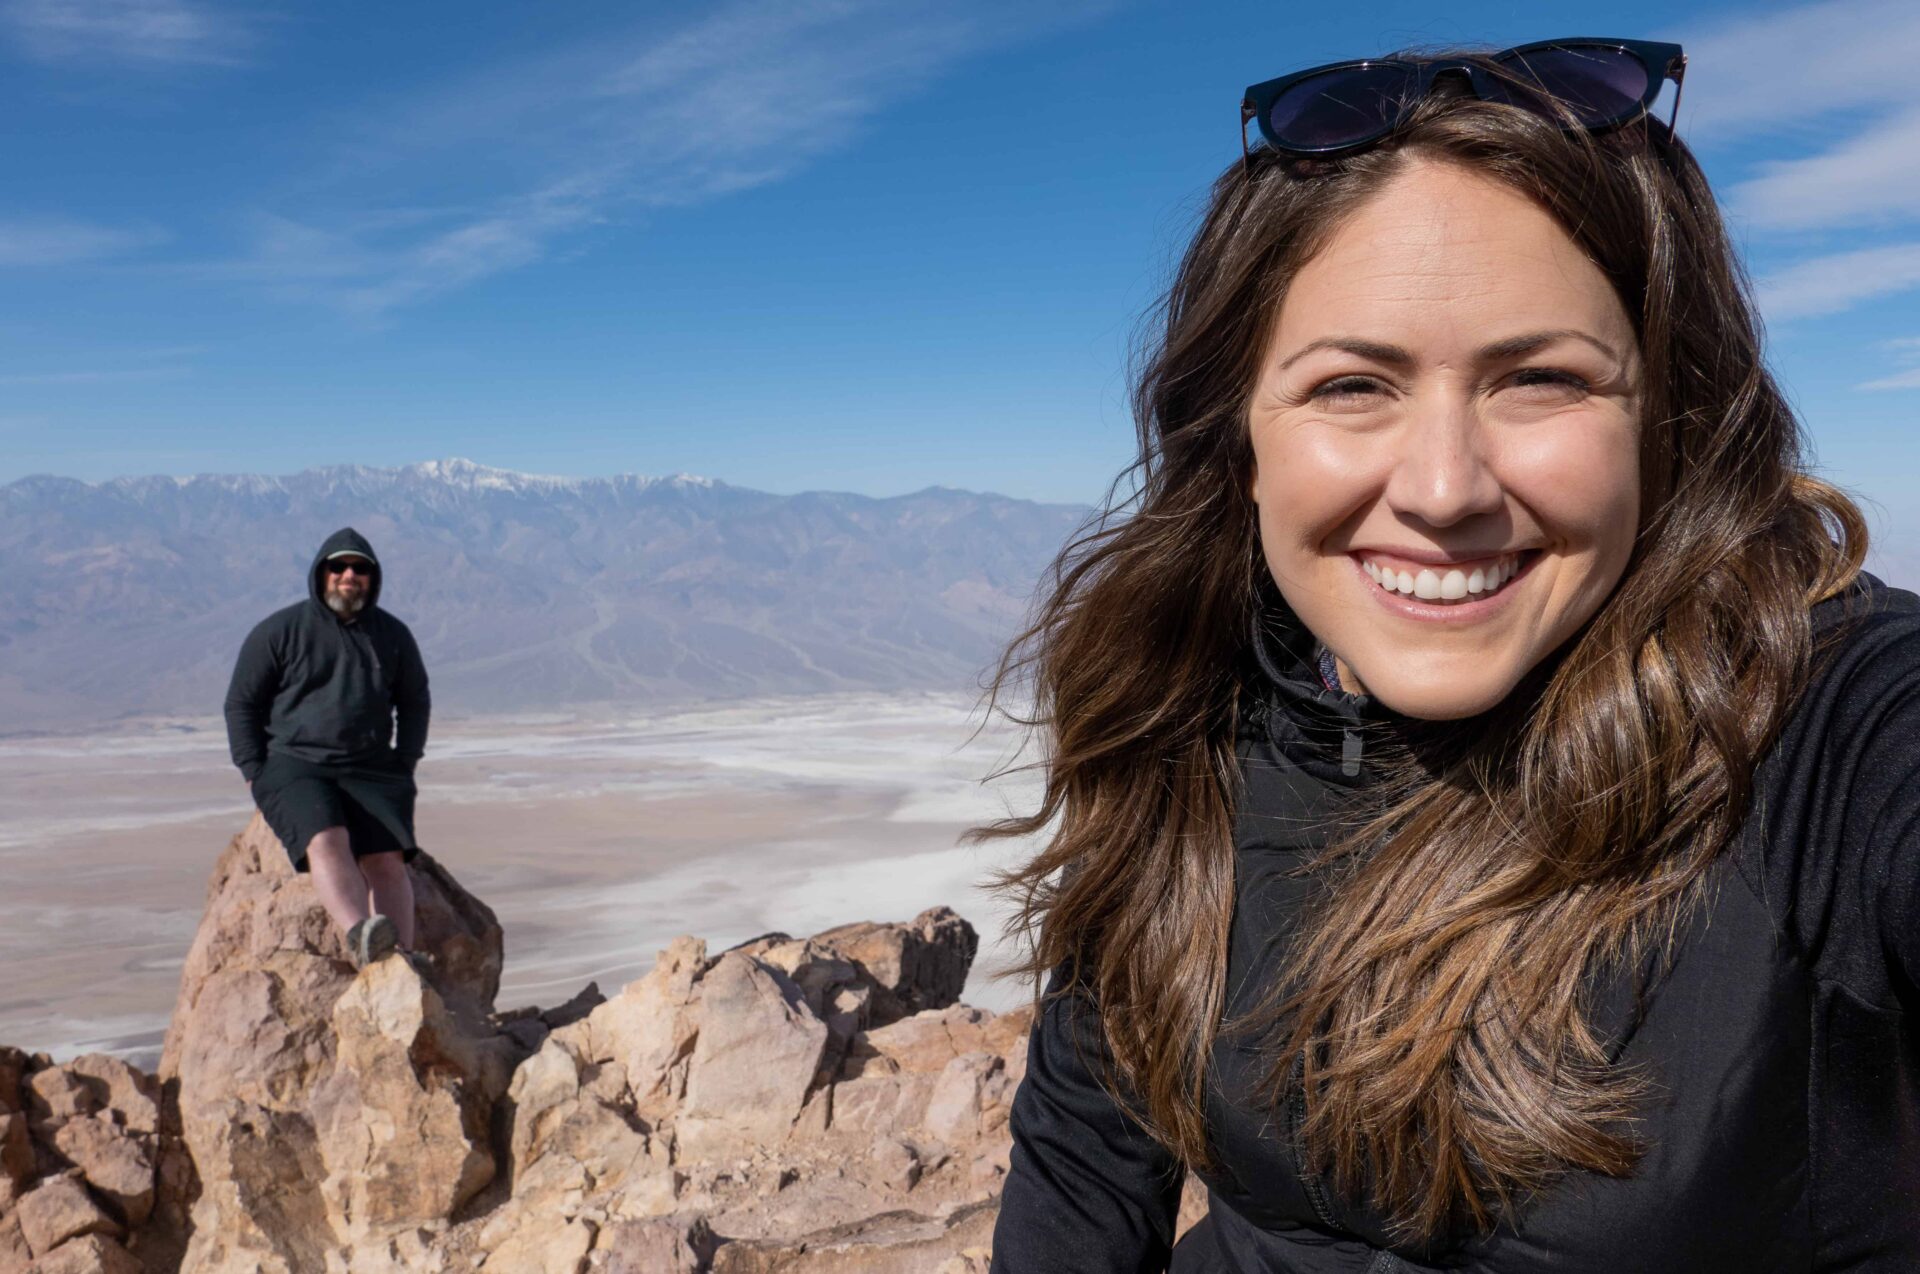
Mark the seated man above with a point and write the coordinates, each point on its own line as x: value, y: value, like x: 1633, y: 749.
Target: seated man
x: 312, y: 711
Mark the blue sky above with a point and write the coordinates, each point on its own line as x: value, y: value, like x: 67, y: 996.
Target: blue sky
x: 868, y: 245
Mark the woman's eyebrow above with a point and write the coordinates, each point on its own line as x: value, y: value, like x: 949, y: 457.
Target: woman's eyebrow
x: 1532, y: 342
x: 1378, y: 351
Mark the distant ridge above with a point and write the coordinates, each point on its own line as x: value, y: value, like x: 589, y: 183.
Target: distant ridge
x: 130, y: 596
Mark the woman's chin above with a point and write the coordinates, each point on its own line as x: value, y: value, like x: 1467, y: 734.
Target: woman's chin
x: 1437, y: 699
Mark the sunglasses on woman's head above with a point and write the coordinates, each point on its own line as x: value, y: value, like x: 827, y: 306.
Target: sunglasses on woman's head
x: 1586, y: 82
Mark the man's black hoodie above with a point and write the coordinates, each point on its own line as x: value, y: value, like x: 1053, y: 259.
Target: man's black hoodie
x: 312, y: 685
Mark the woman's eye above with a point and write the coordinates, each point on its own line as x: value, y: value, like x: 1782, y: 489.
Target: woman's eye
x: 1348, y: 388
x: 1543, y: 382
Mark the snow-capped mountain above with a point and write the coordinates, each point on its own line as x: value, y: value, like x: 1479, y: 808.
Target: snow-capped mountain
x: 131, y: 596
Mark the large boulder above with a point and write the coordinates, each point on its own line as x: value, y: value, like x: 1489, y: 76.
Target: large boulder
x: 755, y: 1058
x: 893, y: 970
x: 266, y: 1072
x: 59, y: 1209
x: 402, y: 1123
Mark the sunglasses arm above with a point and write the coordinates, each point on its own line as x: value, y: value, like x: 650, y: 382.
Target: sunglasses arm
x: 1246, y: 153
x: 1679, y: 70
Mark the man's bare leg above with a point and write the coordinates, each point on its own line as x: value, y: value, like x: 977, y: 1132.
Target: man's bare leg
x: 390, y: 892
x: 343, y: 890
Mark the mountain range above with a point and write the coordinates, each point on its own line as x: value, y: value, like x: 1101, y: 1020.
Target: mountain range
x: 131, y: 597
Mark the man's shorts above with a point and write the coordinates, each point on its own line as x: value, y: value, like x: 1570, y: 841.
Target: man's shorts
x: 302, y: 798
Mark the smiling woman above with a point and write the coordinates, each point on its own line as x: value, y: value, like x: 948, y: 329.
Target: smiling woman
x: 1478, y: 832
x: 1445, y: 442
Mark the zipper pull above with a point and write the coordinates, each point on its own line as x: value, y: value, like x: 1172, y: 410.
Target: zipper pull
x: 1350, y: 746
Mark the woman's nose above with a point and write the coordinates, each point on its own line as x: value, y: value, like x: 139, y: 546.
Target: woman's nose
x: 1440, y: 472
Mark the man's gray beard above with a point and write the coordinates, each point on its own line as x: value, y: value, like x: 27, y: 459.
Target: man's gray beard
x: 345, y: 607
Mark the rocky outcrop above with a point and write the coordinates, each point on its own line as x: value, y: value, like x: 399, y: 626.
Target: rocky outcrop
x: 794, y: 1104
x: 81, y: 1149
x: 308, y: 1099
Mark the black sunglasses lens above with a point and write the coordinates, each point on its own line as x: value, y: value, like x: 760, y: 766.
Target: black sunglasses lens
x: 1339, y: 108
x: 1599, y: 85
x: 341, y: 568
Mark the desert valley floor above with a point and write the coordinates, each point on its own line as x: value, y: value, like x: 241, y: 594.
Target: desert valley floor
x: 595, y: 841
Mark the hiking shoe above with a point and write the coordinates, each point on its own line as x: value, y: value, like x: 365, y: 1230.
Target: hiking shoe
x: 371, y: 939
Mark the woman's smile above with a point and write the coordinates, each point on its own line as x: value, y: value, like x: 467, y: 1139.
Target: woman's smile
x: 1451, y: 590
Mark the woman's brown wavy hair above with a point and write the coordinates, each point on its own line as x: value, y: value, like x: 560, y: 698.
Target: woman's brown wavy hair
x: 1432, y: 1012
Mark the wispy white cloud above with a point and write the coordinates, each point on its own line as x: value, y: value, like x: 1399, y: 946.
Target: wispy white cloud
x: 155, y: 32
x: 1835, y: 79
x: 1788, y: 71
x: 58, y: 241
x: 1872, y: 178
x: 1905, y: 350
x: 1840, y: 280
x: 1831, y: 88
x: 744, y: 94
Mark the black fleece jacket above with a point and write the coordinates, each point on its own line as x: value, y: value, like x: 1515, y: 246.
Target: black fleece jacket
x: 314, y: 686
x: 1783, y: 1126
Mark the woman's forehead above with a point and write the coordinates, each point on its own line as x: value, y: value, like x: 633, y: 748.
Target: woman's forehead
x: 1441, y: 252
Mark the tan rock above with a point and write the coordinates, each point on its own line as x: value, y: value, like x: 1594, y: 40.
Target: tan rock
x: 758, y: 1049
x: 814, y: 967
x: 260, y: 1207
x: 14, y: 1254
x: 55, y: 1095
x: 16, y: 1157
x: 256, y: 1035
x: 91, y: 1254
x: 912, y: 967
x: 566, y: 1142
x: 129, y: 1096
x: 543, y: 1249
x: 881, y: 1105
x: 959, y: 1097
x: 402, y: 1122
x: 252, y: 1045
x: 1006, y: 1033
x: 895, y: 1164
x: 542, y: 1082
x: 115, y: 1164
x: 892, y: 1242
x: 59, y: 1209
x: 649, y: 1028
x: 13, y: 1068
x: 664, y: 1246
x: 922, y: 1044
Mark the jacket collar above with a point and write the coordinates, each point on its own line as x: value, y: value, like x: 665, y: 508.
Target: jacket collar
x: 1289, y: 704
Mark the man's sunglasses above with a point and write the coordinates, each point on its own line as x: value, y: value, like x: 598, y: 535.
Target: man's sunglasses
x: 1343, y: 106
x: 362, y: 569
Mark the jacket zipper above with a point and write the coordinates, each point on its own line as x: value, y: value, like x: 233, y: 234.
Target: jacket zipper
x: 1309, y: 1177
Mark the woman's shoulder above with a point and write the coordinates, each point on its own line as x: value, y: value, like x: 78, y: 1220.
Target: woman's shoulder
x: 1866, y: 670
x: 1867, y: 619
x: 1832, y: 838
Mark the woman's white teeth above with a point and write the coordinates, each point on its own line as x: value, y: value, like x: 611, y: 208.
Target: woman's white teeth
x: 1444, y: 585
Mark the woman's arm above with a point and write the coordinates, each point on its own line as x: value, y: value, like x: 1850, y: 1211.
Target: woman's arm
x: 1089, y: 1191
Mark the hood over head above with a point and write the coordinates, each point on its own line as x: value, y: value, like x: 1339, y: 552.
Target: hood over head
x: 345, y: 540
